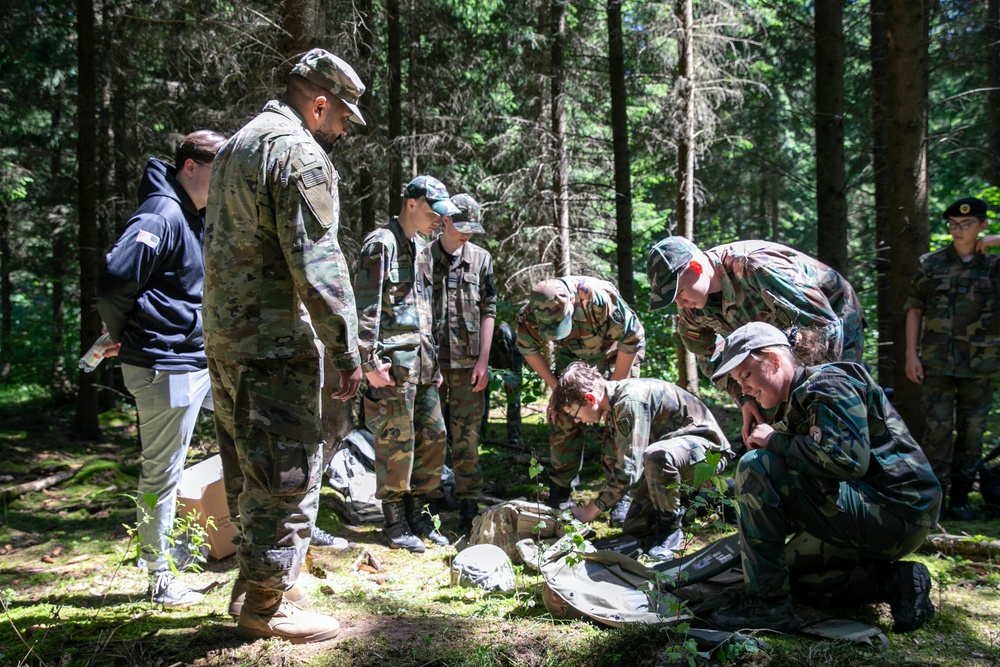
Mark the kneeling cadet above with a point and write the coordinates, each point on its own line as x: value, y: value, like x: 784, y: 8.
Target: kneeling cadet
x: 661, y: 433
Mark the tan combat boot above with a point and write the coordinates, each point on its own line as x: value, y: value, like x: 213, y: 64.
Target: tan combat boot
x: 296, y: 595
x: 266, y: 614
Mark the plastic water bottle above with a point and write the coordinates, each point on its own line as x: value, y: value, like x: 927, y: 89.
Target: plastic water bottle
x: 95, y: 355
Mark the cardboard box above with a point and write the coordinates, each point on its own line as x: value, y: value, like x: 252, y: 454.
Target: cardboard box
x: 202, y: 490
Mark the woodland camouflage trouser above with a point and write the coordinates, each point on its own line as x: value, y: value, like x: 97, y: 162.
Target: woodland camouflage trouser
x: 268, y: 426
x: 956, y: 410
x: 667, y: 465
x: 463, y: 412
x: 409, y: 439
x: 775, y: 501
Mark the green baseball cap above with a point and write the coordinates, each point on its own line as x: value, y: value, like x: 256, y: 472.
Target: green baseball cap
x: 551, y: 302
x: 434, y: 192
x: 746, y: 339
x: 469, y: 220
x: 331, y: 73
x: 665, y: 262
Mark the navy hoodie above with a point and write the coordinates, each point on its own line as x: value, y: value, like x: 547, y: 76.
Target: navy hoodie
x: 150, y: 293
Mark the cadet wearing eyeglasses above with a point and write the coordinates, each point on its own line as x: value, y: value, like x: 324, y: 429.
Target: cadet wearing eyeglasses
x: 953, y: 348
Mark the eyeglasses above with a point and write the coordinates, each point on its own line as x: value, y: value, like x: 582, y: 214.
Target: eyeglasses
x: 961, y: 225
x: 576, y: 415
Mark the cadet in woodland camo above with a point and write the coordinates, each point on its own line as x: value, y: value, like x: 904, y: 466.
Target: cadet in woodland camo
x: 393, y: 288
x: 465, y: 308
x: 757, y: 281
x: 953, y: 347
x: 277, y: 286
x: 661, y: 433
x: 840, y: 466
x: 586, y: 320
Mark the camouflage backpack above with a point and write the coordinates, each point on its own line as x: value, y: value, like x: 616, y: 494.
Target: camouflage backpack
x: 507, y: 524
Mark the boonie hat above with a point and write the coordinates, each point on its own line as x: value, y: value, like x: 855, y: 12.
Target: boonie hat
x: 484, y: 566
x: 552, y: 304
x: 434, y: 192
x: 469, y: 219
x: 970, y: 206
x: 745, y: 340
x: 665, y: 262
x: 331, y: 73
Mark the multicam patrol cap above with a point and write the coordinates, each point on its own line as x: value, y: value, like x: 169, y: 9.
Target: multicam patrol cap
x: 969, y: 206
x: 434, y: 192
x: 551, y: 302
x: 331, y: 73
x: 469, y: 220
x: 666, y: 260
x: 746, y: 339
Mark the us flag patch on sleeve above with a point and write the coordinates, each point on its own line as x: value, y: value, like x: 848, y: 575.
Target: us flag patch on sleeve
x: 314, y: 176
x: 144, y: 237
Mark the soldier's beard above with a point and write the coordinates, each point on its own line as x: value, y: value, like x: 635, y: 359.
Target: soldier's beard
x: 326, y: 140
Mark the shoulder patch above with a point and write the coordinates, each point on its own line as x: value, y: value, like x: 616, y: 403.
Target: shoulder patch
x: 691, y: 333
x: 144, y: 237
x: 313, y: 177
x: 623, y: 423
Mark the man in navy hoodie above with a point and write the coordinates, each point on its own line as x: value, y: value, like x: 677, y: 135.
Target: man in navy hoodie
x: 150, y: 299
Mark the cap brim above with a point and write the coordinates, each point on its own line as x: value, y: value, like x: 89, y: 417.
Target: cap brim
x: 730, y: 364
x: 561, y: 330
x: 445, y: 207
x: 468, y: 227
x: 356, y: 116
x: 658, y: 299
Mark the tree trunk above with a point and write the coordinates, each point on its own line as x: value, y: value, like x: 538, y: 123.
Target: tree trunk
x: 560, y: 175
x: 87, y: 426
x: 300, y: 19
x: 993, y: 82
x: 60, y: 256
x: 6, y: 304
x: 882, y: 184
x: 623, y: 168
x: 688, y: 371
x: 366, y: 178
x: 831, y: 195
x: 395, y: 111
x: 908, y: 226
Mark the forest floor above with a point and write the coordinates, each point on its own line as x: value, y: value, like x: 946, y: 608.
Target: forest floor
x: 72, y: 595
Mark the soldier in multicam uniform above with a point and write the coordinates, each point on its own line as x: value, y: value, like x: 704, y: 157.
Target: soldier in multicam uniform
x: 661, y: 434
x: 395, y: 303
x: 837, y: 466
x: 721, y: 289
x: 276, y: 287
x: 465, y: 307
x: 587, y: 320
x: 953, y: 313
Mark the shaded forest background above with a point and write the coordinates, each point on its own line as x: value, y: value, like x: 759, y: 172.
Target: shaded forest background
x: 588, y: 129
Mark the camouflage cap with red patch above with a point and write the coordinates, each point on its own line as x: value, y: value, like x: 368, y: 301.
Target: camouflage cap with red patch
x: 551, y: 303
x: 665, y: 262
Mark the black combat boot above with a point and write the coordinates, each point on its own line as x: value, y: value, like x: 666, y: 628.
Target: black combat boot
x: 396, y: 530
x: 958, y: 500
x: 468, y: 510
x: 620, y: 511
x: 906, y: 586
x: 419, y: 519
x: 753, y: 612
x: 667, y: 535
x: 559, y: 497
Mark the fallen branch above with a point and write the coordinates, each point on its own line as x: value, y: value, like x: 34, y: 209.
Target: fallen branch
x: 961, y: 545
x: 19, y: 490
